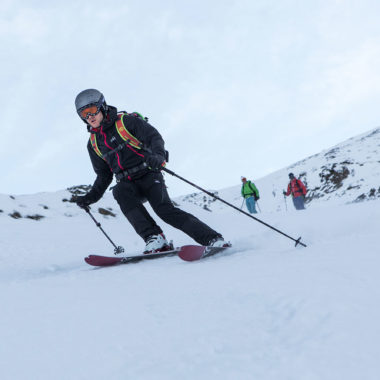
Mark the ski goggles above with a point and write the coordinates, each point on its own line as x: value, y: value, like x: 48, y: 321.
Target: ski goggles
x: 89, y: 111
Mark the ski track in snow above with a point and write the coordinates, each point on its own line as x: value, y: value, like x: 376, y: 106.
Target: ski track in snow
x: 263, y: 310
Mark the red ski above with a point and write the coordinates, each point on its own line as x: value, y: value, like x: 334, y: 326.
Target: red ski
x: 104, y: 261
x: 186, y: 252
x: 197, y: 252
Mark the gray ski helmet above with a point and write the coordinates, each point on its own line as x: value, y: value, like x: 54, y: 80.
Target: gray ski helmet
x: 89, y: 97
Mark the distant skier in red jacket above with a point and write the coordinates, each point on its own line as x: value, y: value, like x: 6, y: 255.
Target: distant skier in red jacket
x: 298, y: 191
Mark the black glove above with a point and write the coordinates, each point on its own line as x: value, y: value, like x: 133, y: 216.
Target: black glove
x: 83, y: 201
x: 284, y: 192
x: 257, y: 198
x: 155, y: 161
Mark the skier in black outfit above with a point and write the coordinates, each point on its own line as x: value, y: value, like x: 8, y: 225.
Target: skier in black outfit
x: 114, y: 150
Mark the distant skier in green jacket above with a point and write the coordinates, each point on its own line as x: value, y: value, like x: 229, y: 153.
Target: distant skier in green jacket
x: 250, y: 193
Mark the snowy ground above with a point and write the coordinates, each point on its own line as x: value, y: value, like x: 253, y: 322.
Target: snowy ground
x: 266, y: 310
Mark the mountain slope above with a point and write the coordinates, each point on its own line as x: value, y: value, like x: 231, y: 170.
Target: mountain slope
x: 348, y: 172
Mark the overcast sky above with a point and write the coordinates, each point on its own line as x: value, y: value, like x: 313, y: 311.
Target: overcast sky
x: 234, y: 87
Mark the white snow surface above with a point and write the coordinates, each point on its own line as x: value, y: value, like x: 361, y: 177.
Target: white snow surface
x: 263, y: 310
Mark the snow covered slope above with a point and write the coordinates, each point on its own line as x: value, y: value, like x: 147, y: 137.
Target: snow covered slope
x: 346, y: 173
x: 265, y: 310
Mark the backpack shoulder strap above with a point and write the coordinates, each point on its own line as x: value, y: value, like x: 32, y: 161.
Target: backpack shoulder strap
x: 94, y: 145
x: 123, y: 131
x: 250, y: 186
x: 298, y: 184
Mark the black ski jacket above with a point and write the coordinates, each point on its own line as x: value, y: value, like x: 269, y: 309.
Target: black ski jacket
x: 108, y: 139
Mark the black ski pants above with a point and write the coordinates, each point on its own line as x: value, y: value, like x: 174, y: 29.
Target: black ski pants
x: 130, y: 195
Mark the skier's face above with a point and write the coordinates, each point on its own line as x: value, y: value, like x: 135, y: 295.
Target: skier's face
x: 95, y: 120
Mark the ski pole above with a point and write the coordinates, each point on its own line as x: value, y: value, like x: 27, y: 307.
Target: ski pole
x: 242, y: 204
x: 286, y: 205
x: 257, y: 203
x: 118, y: 249
x: 297, y: 241
x: 146, y: 149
